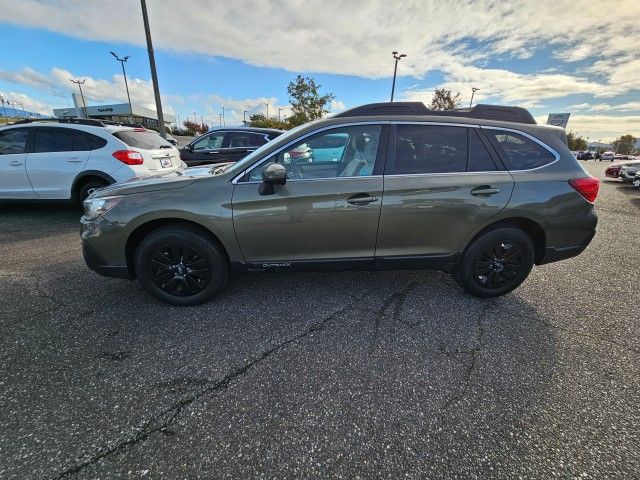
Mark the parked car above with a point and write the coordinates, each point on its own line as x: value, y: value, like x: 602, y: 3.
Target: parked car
x: 228, y: 144
x: 586, y: 155
x: 628, y: 172
x: 636, y: 181
x: 613, y: 171
x: 483, y: 193
x: 608, y: 156
x: 67, y: 159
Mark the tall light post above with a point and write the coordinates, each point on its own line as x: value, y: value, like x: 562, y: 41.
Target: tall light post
x: 267, y: 105
x: 244, y: 117
x: 126, y: 85
x: 152, y: 65
x: 80, y: 83
x: 220, y: 119
x: 473, y: 92
x: 279, y: 113
x: 395, y: 71
x: 3, y: 109
x: 223, y: 121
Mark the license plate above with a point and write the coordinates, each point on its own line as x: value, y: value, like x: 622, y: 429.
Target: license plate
x: 165, y: 162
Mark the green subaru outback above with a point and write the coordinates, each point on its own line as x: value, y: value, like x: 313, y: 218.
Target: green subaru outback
x: 483, y: 193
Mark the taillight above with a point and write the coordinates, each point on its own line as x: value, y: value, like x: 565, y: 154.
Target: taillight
x: 129, y: 157
x: 587, y: 187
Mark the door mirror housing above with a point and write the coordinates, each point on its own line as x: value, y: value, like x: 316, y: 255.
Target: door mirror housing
x: 273, y: 174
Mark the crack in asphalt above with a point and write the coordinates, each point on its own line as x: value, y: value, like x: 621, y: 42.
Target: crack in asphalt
x: 474, y: 354
x: 397, y: 299
x: 161, y: 422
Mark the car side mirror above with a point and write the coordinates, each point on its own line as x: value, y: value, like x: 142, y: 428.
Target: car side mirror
x: 273, y: 174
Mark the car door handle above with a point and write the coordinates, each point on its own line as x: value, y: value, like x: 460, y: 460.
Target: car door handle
x: 15, y: 163
x: 361, y: 199
x: 74, y: 160
x: 485, y: 190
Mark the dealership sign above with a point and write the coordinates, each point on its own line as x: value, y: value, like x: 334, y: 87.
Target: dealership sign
x: 558, y: 119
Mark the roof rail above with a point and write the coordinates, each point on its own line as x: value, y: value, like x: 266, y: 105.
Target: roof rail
x: 480, y: 111
x: 74, y: 120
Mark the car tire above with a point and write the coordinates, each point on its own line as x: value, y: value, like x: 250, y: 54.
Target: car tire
x: 180, y: 265
x: 88, y: 188
x: 496, y: 262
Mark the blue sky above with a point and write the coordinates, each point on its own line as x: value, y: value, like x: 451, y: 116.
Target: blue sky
x: 242, y: 54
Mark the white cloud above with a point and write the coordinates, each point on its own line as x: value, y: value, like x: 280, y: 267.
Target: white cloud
x: 355, y: 37
x: 602, y: 127
x: 29, y: 104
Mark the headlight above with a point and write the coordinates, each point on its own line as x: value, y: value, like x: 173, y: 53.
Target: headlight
x: 93, y: 207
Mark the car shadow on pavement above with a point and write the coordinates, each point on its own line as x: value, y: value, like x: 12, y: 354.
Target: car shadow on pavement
x: 31, y: 220
x: 404, y: 356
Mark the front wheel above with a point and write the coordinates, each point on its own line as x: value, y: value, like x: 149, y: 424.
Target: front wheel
x: 180, y: 265
x: 496, y: 262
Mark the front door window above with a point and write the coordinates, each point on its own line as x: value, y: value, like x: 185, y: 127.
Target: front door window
x: 340, y: 152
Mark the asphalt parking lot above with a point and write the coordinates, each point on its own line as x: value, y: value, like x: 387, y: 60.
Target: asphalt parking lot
x: 351, y: 375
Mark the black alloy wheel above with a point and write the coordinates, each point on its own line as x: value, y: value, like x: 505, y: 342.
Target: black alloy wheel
x: 181, y: 264
x: 180, y: 270
x: 496, y: 262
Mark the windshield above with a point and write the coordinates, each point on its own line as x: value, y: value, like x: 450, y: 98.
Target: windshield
x: 248, y: 160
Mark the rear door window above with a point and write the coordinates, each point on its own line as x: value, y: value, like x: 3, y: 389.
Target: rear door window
x: 244, y: 140
x: 144, y: 139
x: 479, y: 157
x: 84, y: 141
x: 430, y: 149
x: 49, y: 140
x: 519, y: 152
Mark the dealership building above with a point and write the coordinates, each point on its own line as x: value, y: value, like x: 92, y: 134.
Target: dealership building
x: 118, y: 112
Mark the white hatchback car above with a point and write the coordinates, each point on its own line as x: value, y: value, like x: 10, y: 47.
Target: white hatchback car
x: 69, y: 159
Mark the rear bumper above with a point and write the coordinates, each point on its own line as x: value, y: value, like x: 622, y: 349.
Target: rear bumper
x: 100, y: 266
x: 553, y: 254
x: 568, y: 236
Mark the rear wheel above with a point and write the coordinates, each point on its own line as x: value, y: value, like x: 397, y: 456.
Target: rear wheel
x: 496, y: 262
x: 180, y: 265
x: 88, y: 188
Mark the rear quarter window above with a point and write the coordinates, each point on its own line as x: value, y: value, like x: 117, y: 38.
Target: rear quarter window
x: 519, y: 152
x: 145, y: 139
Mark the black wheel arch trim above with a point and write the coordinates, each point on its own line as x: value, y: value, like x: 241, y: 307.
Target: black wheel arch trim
x: 91, y: 173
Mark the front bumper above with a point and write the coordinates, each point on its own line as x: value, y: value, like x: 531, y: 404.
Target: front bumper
x: 96, y: 263
x: 101, y: 241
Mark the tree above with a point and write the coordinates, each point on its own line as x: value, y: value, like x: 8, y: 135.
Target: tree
x: 259, y: 120
x: 575, y: 142
x: 196, y: 127
x: 624, y: 144
x: 444, y: 99
x: 306, y: 102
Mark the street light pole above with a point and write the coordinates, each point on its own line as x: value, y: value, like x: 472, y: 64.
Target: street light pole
x: 3, y: 108
x: 244, y: 117
x: 267, y: 105
x: 395, y: 71
x: 473, y: 91
x: 80, y: 83
x: 126, y: 85
x: 223, y: 121
x: 152, y: 64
